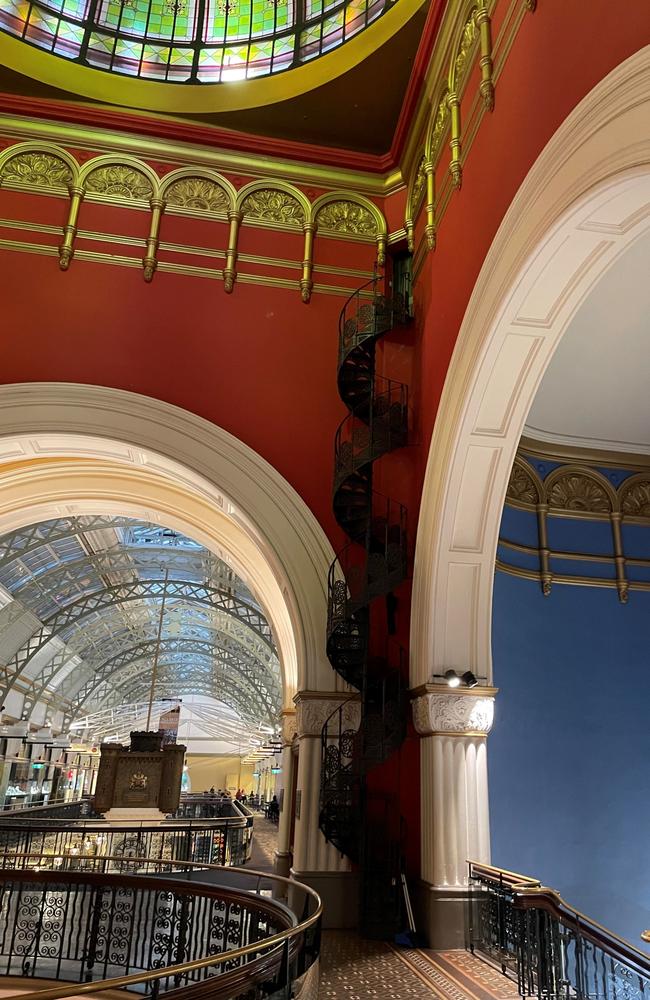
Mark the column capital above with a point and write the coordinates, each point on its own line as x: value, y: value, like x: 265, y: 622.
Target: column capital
x: 444, y: 711
x: 289, y: 726
x: 313, y: 708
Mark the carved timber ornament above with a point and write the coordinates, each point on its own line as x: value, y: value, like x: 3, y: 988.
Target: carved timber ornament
x: 198, y: 193
x: 37, y: 169
x: 346, y: 217
x: 119, y: 180
x: 275, y: 206
x: 459, y: 715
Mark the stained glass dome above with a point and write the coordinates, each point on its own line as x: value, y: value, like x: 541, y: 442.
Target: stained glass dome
x: 189, y: 41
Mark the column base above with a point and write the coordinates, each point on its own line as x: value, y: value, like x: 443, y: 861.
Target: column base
x: 283, y: 860
x: 339, y: 892
x: 441, y: 915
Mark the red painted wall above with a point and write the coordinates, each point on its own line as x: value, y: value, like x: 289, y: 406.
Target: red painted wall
x: 260, y: 363
x: 558, y: 56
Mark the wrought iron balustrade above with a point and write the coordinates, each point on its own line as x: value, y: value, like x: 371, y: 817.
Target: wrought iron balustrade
x: 375, y: 427
x: 551, y: 949
x: 155, y: 934
x: 224, y: 841
x: 370, y: 566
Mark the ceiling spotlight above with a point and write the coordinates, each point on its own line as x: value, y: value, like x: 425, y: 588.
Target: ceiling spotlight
x: 452, y: 678
x: 469, y: 679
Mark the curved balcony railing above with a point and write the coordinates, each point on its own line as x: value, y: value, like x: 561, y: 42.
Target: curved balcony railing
x: 175, y: 929
x: 547, y: 946
x: 226, y: 841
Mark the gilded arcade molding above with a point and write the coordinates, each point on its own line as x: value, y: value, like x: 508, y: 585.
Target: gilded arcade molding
x: 127, y: 181
x: 580, y: 491
x: 467, y: 40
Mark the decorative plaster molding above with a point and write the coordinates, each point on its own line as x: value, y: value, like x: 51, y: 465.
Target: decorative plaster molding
x: 107, y: 450
x: 313, y: 713
x: 289, y: 727
x: 586, y: 199
x: 453, y: 714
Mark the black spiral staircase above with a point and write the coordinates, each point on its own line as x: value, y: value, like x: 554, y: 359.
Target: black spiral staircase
x: 365, y: 731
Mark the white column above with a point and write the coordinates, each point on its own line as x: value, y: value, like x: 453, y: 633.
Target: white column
x: 455, y: 818
x: 283, y: 853
x: 314, y: 859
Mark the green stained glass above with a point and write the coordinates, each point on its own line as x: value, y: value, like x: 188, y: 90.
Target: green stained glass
x: 150, y: 18
x: 188, y: 40
x: 13, y: 15
x: 229, y: 20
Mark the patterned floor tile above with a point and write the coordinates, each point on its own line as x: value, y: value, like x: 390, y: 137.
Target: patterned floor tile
x: 354, y: 969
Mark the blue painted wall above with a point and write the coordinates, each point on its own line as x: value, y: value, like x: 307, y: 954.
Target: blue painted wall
x: 569, y: 754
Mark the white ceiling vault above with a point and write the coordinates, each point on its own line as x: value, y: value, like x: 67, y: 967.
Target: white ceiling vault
x: 594, y: 393
x: 79, y: 616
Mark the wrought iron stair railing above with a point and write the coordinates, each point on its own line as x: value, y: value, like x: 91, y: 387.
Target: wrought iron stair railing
x: 370, y: 566
x: 547, y: 947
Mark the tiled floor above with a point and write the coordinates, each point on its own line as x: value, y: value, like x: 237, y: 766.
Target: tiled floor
x: 265, y: 840
x: 353, y: 969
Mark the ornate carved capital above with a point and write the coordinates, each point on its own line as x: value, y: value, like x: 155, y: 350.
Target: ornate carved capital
x: 289, y: 728
x: 453, y: 714
x: 313, y: 712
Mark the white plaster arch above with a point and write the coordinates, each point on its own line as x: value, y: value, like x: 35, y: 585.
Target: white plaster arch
x: 586, y: 199
x: 75, y: 449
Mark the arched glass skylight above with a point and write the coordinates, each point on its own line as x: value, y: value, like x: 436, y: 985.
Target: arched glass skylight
x: 189, y: 41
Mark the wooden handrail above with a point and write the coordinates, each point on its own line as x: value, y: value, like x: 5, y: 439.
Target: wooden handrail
x: 256, y: 970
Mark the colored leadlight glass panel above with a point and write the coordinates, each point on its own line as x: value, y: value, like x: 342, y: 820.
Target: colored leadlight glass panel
x: 229, y: 20
x: 150, y: 18
x: 188, y: 40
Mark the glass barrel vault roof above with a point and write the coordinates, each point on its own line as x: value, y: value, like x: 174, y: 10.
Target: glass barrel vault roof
x: 189, y: 41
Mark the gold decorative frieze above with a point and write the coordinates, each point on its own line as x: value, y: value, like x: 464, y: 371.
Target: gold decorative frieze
x: 635, y: 497
x: 346, y: 217
x: 203, y: 193
x: 36, y: 169
x: 468, y: 38
x: 419, y: 186
x: 440, y: 122
x: 199, y: 193
x: 119, y: 181
x: 522, y: 487
x: 578, y: 492
x: 275, y: 206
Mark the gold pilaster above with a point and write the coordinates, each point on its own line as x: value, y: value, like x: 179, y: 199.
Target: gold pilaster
x: 545, y: 575
x: 487, y: 84
x: 150, y: 256
x: 622, y: 584
x: 66, y: 250
x: 230, y: 270
x: 430, y: 228
x: 455, y: 167
x: 306, y: 283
